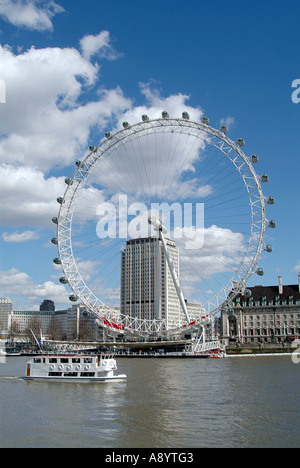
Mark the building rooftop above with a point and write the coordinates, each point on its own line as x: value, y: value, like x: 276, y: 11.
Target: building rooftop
x: 271, y: 292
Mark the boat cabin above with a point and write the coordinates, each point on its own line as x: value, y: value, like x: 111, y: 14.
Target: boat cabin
x: 72, y: 367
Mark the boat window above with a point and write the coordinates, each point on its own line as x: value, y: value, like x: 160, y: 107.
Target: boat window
x: 55, y: 374
x: 64, y: 360
x: 88, y: 360
x: 70, y: 374
x: 87, y: 374
x: 37, y: 360
x: 76, y: 361
x: 52, y: 360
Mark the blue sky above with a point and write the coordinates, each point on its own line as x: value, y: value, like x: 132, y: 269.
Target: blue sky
x: 73, y: 68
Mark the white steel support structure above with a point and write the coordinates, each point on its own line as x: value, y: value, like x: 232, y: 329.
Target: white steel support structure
x: 160, y: 229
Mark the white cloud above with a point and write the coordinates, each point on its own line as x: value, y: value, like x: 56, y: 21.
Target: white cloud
x: 87, y: 268
x: 296, y: 269
x: 21, y: 287
x: 43, y: 127
x: 27, y: 198
x: 32, y: 14
x: 17, y: 237
x: 220, y: 251
x: 99, y: 44
x: 206, y: 270
x: 42, y: 123
x: 174, y: 104
x: 228, y: 121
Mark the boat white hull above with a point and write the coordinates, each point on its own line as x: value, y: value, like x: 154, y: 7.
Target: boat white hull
x: 115, y: 379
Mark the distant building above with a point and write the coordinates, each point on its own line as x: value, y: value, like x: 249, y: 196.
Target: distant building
x: 47, y: 306
x: 81, y: 325
x: 270, y: 316
x: 21, y: 320
x: 5, y: 311
x: 72, y: 324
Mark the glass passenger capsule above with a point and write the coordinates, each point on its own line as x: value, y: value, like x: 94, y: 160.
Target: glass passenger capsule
x: 63, y: 280
x: 73, y: 298
x: 240, y: 142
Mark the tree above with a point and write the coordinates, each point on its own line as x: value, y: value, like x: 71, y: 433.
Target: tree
x: 54, y: 330
x: 35, y: 325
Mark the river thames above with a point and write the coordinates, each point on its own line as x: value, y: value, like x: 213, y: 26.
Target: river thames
x: 169, y: 403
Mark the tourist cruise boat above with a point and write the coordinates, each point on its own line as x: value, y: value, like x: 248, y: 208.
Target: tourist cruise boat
x: 73, y: 368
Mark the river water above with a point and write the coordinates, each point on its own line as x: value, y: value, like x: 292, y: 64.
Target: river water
x: 233, y: 402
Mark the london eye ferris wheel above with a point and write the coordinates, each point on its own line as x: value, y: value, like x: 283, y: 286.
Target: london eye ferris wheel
x: 169, y: 179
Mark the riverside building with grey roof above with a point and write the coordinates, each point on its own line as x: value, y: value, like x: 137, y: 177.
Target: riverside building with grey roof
x: 270, y: 316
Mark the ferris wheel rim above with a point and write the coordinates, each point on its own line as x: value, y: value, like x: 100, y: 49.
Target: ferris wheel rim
x: 64, y: 231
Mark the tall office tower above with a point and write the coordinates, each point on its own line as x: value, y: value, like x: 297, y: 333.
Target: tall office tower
x: 147, y: 288
x: 5, y: 311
